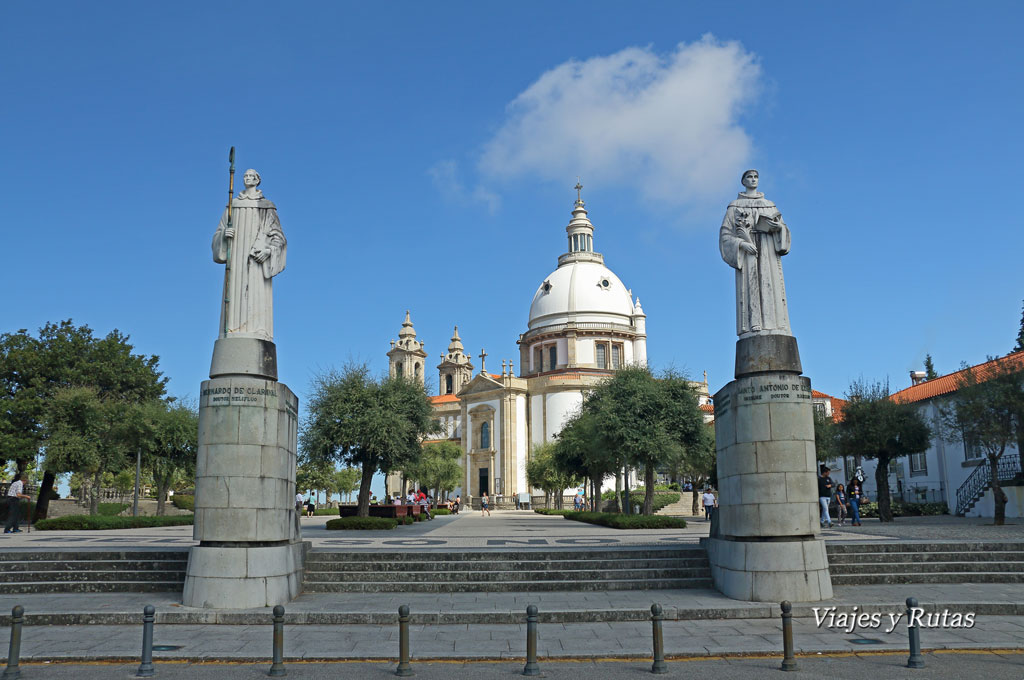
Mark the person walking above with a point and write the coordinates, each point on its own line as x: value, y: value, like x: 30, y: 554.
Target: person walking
x: 310, y: 506
x: 825, y: 487
x: 856, y: 494
x: 15, y: 494
x: 710, y: 503
x: 483, y: 505
x: 841, y: 504
x: 458, y: 504
x: 299, y: 502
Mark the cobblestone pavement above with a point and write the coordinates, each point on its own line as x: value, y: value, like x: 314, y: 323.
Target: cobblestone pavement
x: 580, y: 640
x: 519, y: 530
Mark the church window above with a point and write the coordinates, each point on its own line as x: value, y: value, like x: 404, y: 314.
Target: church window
x: 575, y: 243
x: 485, y: 436
x: 602, y: 357
x: 552, y: 357
x: 416, y: 370
x: 538, y: 360
x: 590, y: 243
x: 398, y: 370
x: 616, y: 356
x: 448, y: 384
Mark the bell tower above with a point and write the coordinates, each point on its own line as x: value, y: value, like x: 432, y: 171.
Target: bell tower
x: 455, y: 369
x: 407, y: 357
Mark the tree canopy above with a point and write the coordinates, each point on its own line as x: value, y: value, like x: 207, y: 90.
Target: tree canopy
x: 375, y: 424
x: 437, y: 467
x: 875, y: 426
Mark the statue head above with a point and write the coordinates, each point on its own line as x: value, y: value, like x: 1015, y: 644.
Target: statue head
x: 251, y: 178
x: 749, y: 179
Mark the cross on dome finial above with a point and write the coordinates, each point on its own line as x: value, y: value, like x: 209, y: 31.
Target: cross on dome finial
x: 578, y: 188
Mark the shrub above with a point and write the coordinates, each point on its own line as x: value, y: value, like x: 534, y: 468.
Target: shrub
x: 112, y: 509
x: 325, y: 511
x: 617, y: 521
x: 902, y: 509
x: 553, y: 511
x: 96, y: 522
x: 660, y: 500
x: 184, y: 502
x: 362, y: 523
x: 407, y: 520
x: 440, y: 512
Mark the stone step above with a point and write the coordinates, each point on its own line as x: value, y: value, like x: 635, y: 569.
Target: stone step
x: 449, y: 566
x: 122, y: 586
x: 93, y: 555
x: 959, y: 546
x: 501, y: 586
x: 497, y: 576
x: 964, y: 577
x: 927, y: 568
x: 125, y: 566
x: 92, y: 576
x: 320, y: 554
x: 925, y: 557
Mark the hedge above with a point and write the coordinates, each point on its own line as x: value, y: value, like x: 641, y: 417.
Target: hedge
x: 661, y: 499
x: 362, y: 523
x: 94, y: 522
x: 553, y: 511
x: 617, y: 521
x: 407, y: 520
x: 184, y: 502
x: 901, y: 509
x: 325, y: 511
x: 440, y: 511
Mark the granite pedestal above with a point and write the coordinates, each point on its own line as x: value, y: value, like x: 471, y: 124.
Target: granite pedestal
x: 768, y: 546
x: 250, y: 552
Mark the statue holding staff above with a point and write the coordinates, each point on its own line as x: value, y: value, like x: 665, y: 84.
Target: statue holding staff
x: 249, y: 240
x: 753, y: 239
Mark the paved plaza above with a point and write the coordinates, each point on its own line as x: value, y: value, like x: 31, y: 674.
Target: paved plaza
x: 519, y: 530
x: 461, y: 626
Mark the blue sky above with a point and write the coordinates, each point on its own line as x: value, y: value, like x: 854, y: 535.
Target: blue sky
x: 422, y: 157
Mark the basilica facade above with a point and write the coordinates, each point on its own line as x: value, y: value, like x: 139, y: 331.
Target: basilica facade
x: 583, y: 324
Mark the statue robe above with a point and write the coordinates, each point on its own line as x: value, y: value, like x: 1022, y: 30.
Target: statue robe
x: 249, y: 310
x: 760, y: 289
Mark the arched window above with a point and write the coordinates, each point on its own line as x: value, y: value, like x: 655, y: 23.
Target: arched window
x: 448, y: 384
x: 485, y: 436
x: 398, y: 370
x: 416, y: 370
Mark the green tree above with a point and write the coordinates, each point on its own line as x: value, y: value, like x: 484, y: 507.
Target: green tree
x: 987, y: 411
x: 875, y: 426
x: 63, y: 355
x: 168, y: 437
x: 929, y: 368
x: 580, y: 449
x: 346, y: 481
x: 646, y: 420
x: 356, y: 420
x: 437, y: 467
x: 543, y: 473
x: 314, y: 476
x: 825, y: 444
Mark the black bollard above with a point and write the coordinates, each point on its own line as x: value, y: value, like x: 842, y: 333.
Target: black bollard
x: 146, y: 669
x: 277, y: 669
x: 531, y: 668
x: 404, y: 670
x: 788, y: 660
x: 13, y: 671
x: 914, y: 633
x: 657, y: 617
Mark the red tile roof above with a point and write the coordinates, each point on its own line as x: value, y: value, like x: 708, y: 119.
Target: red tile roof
x: 442, y: 399
x: 707, y: 408
x: 945, y: 384
x: 837, y: 403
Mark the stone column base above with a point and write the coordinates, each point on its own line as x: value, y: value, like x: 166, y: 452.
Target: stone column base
x: 770, y: 571
x: 244, y: 577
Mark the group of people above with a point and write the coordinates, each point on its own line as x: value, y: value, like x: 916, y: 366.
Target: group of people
x: 851, y: 495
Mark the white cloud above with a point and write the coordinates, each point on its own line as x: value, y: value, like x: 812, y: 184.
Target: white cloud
x: 665, y: 124
x: 446, y: 178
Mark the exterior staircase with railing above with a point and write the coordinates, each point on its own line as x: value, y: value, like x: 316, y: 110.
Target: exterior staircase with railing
x: 980, y: 481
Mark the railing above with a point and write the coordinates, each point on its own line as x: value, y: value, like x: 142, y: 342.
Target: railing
x: 582, y: 326
x: 971, y: 490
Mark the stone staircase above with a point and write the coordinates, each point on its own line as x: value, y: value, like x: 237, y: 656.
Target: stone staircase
x: 886, y: 563
x: 91, y: 571
x: 506, y: 571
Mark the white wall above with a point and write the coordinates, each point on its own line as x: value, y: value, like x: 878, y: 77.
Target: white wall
x: 986, y: 507
x: 561, y: 405
x: 585, y: 351
x: 537, y: 418
x: 522, y: 445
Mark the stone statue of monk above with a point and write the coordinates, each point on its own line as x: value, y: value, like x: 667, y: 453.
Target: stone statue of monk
x: 258, y: 250
x: 753, y: 240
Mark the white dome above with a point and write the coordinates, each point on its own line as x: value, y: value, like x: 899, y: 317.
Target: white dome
x: 580, y: 292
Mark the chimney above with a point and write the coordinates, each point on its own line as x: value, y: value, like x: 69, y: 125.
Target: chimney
x: 917, y: 377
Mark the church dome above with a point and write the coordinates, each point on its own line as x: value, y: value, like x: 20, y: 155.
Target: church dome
x: 581, y: 292
x: 582, y: 289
